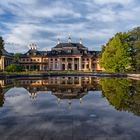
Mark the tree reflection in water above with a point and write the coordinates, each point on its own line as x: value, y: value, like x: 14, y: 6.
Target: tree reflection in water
x: 1, y: 96
x: 123, y: 94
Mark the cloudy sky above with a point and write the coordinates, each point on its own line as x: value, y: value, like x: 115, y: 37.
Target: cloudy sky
x: 43, y: 21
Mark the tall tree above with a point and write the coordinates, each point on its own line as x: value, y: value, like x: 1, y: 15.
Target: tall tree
x: 134, y: 39
x: 115, y: 54
x: 1, y: 46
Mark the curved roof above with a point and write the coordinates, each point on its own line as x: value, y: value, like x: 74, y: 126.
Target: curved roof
x: 5, y: 53
x: 70, y: 45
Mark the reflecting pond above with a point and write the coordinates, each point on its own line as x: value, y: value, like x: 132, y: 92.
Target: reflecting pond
x: 69, y: 108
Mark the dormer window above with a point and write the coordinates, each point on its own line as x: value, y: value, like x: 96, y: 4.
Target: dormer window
x: 85, y: 51
x: 28, y: 53
x: 34, y: 53
x: 69, y: 51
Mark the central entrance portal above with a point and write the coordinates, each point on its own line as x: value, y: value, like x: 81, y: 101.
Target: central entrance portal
x: 69, y: 66
x: 63, y: 66
x: 75, y: 67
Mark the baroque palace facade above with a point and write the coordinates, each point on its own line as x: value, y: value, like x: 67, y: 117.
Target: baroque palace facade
x: 64, y: 56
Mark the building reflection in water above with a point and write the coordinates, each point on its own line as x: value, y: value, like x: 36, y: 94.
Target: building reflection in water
x: 64, y: 88
x: 5, y: 85
x: 123, y: 94
x: 67, y: 88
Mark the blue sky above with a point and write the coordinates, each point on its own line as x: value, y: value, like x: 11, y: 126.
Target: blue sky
x: 43, y: 21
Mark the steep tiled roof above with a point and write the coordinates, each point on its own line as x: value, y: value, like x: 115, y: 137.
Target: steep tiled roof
x: 63, y: 49
x: 34, y: 52
x: 63, y: 52
x: 71, y: 45
x: 5, y: 53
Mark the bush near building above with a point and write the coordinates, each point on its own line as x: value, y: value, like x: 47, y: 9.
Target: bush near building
x: 14, y: 68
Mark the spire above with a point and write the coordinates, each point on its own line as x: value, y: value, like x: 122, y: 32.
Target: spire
x: 29, y: 46
x: 35, y: 46
x: 69, y: 103
x: 80, y: 41
x: 32, y: 46
x: 80, y: 100
x: 58, y: 41
x: 58, y: 99
x: 69, y: 39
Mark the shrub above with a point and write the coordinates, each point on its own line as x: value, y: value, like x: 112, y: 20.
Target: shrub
x: 14, y: 68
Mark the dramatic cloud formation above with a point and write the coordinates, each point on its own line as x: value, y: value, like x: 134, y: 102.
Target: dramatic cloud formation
x: 25, y: 21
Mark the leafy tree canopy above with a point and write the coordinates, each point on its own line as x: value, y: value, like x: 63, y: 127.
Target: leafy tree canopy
x: 115, y: 55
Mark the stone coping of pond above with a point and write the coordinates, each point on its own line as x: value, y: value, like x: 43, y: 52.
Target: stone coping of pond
x: 66, y: 74
x: 134, y: 76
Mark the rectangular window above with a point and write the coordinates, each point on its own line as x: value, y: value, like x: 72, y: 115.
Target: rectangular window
x: 51, y: 66
x: 69, y: 51
x: 56, y: 65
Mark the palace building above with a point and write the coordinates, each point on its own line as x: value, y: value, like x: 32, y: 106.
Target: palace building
x: 6, y: 59
x: 64, y: 56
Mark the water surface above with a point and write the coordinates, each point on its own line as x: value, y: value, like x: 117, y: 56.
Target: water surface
x: 69, y: 108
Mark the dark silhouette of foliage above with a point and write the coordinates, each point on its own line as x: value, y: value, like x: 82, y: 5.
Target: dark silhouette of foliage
x: 1, y: 46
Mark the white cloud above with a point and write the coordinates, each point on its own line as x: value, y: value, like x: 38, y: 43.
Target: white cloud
x: 29, y: 9
x: 20, y: 34
x: 103, y: 15
x: 1, y: 11
x: 123, y: 2
x: 93, y: 20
